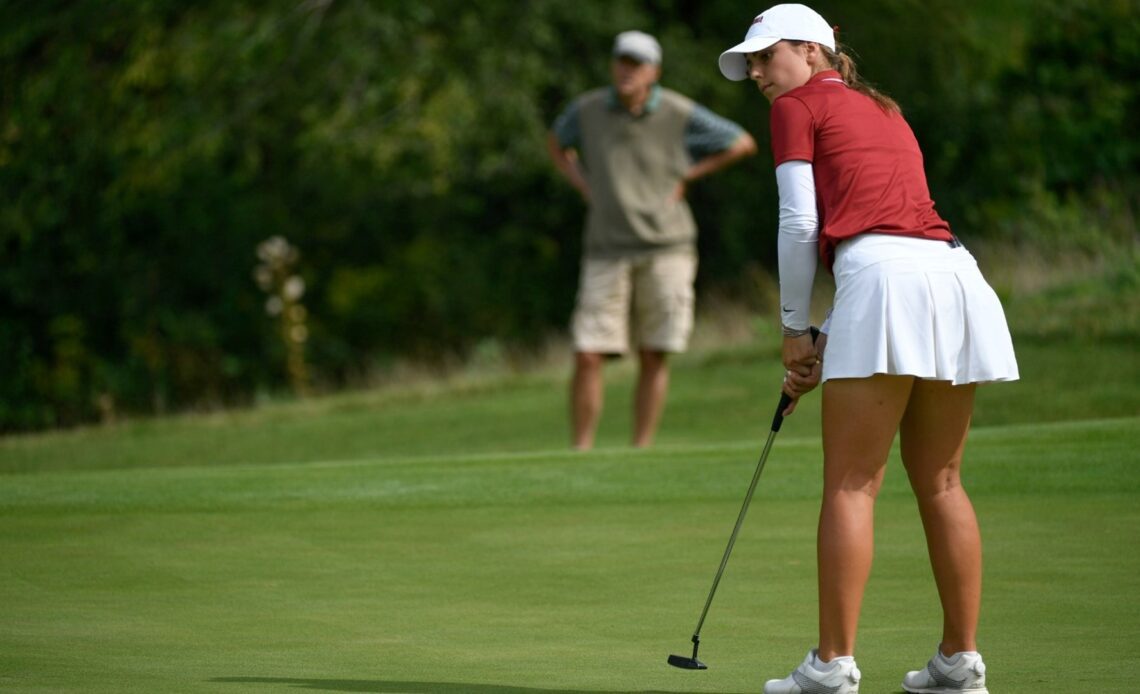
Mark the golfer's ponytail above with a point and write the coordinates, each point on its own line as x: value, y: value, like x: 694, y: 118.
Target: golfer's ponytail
x: 845, y: 65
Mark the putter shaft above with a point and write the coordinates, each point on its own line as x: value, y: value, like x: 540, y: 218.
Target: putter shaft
x: 736, y: 528
x: 777, y: 422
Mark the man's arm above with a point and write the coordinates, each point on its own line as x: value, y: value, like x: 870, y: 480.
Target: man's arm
x: 743, y: 146
x: 566, y: 161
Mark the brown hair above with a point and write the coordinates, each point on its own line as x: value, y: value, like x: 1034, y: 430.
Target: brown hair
x: 845, y: 65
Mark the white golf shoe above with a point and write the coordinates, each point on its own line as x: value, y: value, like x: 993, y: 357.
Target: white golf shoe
x: 961, y: 673
x: 840, y: 676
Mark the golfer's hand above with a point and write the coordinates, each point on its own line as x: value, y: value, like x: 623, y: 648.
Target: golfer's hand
x: 804, y: 365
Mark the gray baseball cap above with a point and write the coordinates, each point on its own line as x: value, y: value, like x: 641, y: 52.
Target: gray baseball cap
x: 638, y: 45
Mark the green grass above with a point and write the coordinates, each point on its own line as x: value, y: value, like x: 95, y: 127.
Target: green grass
x: 444, y: 540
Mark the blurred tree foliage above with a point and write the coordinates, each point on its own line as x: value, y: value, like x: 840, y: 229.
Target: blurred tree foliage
x: 147, y: 148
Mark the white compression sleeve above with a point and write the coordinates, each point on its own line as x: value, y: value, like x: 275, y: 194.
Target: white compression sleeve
x: 796, y: 242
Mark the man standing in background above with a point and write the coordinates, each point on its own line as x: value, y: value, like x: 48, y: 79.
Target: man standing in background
x: 631, y: 149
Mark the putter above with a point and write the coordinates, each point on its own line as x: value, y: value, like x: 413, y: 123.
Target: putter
x: 691, y: 662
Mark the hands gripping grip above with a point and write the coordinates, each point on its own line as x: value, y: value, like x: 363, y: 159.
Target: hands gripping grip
x: 785, y: 399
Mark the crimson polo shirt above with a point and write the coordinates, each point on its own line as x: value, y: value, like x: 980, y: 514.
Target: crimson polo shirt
x: 866, y: 161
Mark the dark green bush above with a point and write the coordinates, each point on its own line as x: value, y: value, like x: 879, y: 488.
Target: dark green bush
x: 146, y: 149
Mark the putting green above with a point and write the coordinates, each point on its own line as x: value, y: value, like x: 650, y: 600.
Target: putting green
x: 544, y: 572
x: 445, y: 543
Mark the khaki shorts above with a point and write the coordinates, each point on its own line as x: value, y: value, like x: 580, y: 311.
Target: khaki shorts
x: 651, y: 295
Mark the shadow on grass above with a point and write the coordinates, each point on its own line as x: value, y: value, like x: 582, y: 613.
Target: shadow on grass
x: 414, y: 687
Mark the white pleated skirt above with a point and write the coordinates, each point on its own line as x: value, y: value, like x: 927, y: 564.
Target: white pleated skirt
x: 910, y: 306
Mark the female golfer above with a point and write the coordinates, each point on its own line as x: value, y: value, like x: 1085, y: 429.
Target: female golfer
x: 914, y: 327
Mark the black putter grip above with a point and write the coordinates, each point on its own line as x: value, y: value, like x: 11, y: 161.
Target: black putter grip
x: 785, y: 399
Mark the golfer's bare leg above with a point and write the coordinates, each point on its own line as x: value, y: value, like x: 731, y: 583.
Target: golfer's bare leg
x: 649, y: 399
x: 860, y: 419
x: 585, y: 399
x: 932, y: 438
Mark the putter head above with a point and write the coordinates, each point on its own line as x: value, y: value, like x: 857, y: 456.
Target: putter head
x: 686, y: 663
